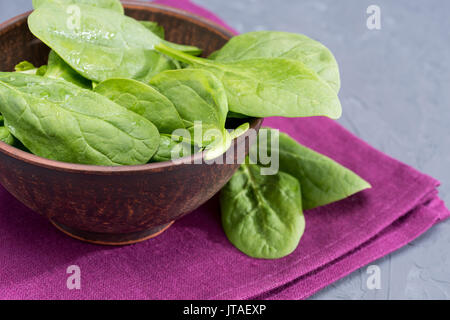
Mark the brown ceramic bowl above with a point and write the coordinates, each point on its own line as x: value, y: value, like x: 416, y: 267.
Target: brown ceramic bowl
x: 112, y: 205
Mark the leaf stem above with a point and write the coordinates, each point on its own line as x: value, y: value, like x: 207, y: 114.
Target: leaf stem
x: 180, y: 56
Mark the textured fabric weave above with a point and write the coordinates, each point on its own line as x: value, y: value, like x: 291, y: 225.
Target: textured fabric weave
x: 194, y: 260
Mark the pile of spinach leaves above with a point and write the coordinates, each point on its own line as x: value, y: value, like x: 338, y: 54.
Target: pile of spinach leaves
x: 262, y: 215
x: 114, y: 91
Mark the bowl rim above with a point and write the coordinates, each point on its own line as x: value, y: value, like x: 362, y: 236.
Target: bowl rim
x: 96, y: 169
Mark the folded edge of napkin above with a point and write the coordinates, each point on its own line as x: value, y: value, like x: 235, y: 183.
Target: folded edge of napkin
x: 401, y: 232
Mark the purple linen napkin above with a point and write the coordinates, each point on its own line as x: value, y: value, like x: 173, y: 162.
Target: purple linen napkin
x: 194, y: 260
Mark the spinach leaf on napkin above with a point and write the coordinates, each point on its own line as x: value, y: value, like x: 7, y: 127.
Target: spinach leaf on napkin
x: 323, y: 180
x: 262, y: 215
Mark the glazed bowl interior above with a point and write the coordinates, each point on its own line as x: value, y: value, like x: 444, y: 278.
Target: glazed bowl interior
x: 114, y: 205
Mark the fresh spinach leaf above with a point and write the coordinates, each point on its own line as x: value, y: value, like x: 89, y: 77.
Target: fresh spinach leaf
x: 239, y: 131
x: 57, y: 120
x: 262, y: 215
x: 220, y: 145
x: 199, y: 98
x: 276, y: 44
x: 114, y: 5
x: 323, y: 180
x: 57, y: 68
x: 159, y: 31
x: 29, y: 68
x: 172, y: 149
x: 103, y: 44
x: 25, y: 67
x: 268, y: 87
x: 42, y: 70
x: 5, y: 135
x: 154, y: 27
x: 143, y: 100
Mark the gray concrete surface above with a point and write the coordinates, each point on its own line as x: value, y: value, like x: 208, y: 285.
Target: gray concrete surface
x: 395, y: 94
